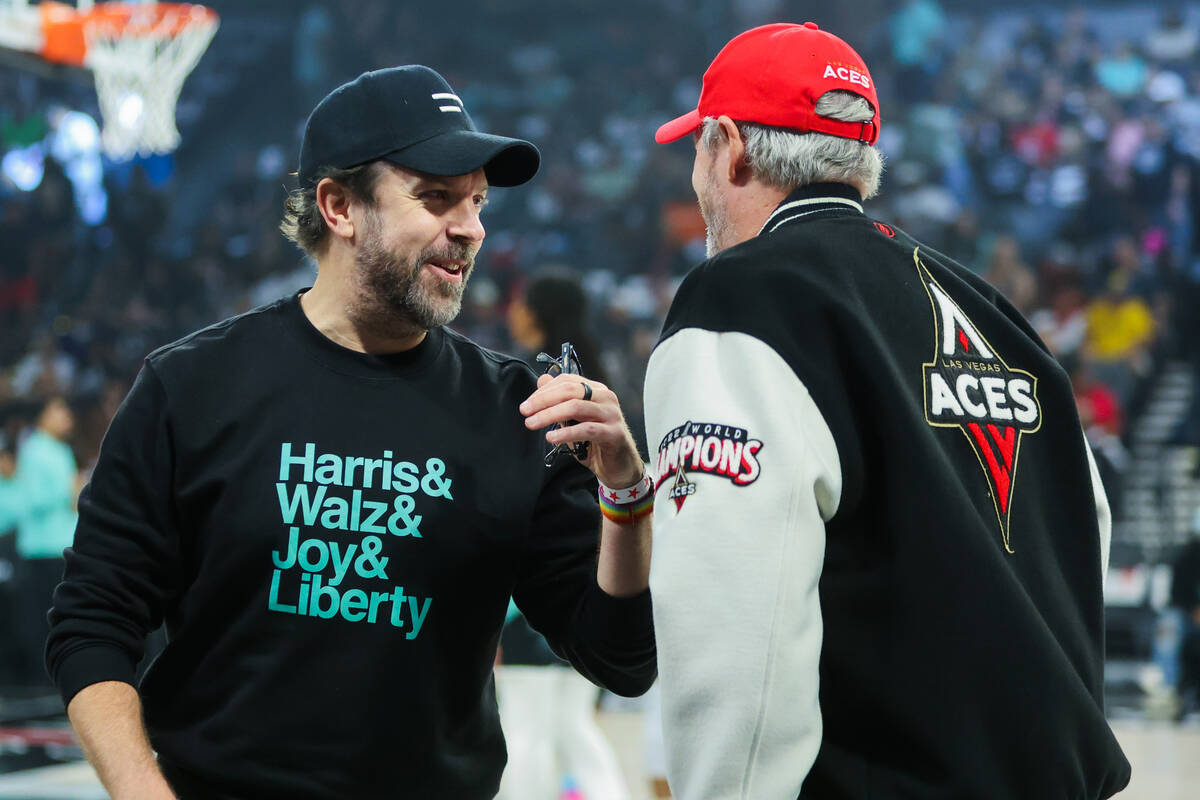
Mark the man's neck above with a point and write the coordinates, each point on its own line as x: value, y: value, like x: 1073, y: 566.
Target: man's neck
x: 759, y: 201
x: 328, y: 306
x: 749, y: 209
x: 761, y: 207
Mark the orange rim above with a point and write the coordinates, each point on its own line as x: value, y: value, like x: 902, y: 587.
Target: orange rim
x: 64, y: 28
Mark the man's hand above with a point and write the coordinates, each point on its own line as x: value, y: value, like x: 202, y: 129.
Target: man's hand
x: 613, y: 456
x: 623, y: 565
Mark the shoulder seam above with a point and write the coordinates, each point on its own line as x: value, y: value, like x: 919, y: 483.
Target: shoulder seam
x: 492, y: 355
x: 224, y: 324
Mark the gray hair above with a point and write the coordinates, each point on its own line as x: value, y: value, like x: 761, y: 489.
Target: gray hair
x: 302, y: 222
x: 786, y: 158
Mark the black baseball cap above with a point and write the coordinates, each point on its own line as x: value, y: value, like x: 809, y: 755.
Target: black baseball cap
x: 410, y: 116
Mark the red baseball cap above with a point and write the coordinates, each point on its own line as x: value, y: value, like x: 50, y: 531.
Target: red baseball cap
x: 774, y: 75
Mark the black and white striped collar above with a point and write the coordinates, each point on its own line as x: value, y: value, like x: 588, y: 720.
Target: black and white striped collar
x: 812, y: 199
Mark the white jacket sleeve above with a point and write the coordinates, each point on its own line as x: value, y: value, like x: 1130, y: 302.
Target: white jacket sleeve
x: 1103, y: 511
x: 738, y: 553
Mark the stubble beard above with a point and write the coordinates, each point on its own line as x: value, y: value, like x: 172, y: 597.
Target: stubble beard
x: 392, y: 298
x: 715, y: 214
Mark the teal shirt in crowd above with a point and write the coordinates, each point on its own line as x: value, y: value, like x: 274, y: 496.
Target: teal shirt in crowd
x: 41, y: 497
x: 8, y: 505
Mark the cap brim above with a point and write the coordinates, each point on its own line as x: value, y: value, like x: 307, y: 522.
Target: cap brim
x: 678, y: 128
x: 505, y: 161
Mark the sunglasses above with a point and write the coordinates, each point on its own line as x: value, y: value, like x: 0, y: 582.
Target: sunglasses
x: 567, y: 363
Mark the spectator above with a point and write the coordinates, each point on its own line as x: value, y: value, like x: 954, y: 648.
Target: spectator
x: 1173, y: 41
x: 40, y: 495
x: 1098, y: 405
x: 1063, y: 325
x: 1120, y: 331
x: 1123, y: 72
x: 44, y: 368
x: 554, y: 310
x: 917, y: 28
x: 1100, y: 415
x: 1008, y: 273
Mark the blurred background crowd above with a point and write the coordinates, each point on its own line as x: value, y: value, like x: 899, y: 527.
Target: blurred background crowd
x: 1053, y: 150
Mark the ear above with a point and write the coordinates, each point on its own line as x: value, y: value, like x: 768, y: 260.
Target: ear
x: 739, y: 171
x: 333, y: 201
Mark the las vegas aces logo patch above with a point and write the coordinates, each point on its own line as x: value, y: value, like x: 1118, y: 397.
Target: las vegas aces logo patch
x: 969, y: 386
x: 705, y: 448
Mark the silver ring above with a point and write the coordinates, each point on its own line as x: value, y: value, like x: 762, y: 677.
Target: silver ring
x: 587, y: 391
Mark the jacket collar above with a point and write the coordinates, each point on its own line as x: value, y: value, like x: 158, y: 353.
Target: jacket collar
x: 810, y: 199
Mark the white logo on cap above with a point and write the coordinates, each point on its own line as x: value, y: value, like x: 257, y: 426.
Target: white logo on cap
x: 847, y: 74
x: 448, y: 96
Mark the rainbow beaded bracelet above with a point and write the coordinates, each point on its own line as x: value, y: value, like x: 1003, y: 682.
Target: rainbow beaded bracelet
x: 626, y: 506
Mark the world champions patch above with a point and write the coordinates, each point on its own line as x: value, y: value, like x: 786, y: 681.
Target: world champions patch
x: 705, y: 448
x: 969, y: 386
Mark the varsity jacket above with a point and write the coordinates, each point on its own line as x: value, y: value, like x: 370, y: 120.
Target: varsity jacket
x: 880, y: 537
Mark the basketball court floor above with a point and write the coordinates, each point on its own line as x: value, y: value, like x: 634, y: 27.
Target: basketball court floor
x: 45, y: 765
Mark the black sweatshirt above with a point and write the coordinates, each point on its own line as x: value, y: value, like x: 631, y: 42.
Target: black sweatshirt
x: 331, y: 539
x: 877, y: 511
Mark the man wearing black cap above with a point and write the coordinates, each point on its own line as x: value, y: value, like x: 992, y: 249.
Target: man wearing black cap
x: 876, y: 506
x: 329, y: 500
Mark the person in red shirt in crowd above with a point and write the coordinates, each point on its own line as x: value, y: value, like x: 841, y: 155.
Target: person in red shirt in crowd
x: 1098, y: 404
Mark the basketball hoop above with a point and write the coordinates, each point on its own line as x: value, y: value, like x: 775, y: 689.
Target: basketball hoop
x: 140, y: 54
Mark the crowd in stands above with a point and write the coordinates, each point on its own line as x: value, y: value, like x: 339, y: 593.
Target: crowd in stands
x: 1057, y: 154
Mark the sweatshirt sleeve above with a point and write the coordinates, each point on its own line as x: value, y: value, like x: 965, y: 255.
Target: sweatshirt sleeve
x: 748, y: 474
x: 125, y: 560
x: 1103, y: 511
x: 609, y: 640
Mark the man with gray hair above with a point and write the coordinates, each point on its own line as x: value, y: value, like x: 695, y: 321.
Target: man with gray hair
x: 857, y: 593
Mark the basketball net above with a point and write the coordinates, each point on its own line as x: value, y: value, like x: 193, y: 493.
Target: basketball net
x: 140, y: 54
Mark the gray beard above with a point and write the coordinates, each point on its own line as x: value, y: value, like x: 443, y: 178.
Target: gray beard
x: 716, y: 218
x: 711, y: 247
x: 391, y: 299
